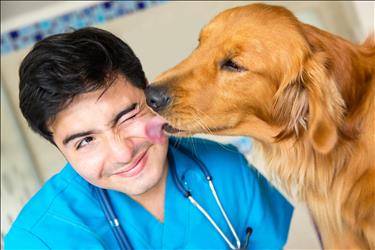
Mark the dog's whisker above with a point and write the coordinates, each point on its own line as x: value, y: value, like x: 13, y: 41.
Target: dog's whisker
x: 201, y: 122
x: 208, y: 130
x: 202, y: 125
x: 206, y: 116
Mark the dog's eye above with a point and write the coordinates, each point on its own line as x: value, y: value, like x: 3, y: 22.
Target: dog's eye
x: 230, y: 65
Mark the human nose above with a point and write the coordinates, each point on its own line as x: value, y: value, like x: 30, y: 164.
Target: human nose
x: 154, y: 129
x: 120, y: 149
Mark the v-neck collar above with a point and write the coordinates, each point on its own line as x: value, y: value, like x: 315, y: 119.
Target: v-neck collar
x: 177, y: 209
x: 142, y: 228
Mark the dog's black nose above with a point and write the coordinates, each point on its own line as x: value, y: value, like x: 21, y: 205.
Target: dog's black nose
x: 157, y: 97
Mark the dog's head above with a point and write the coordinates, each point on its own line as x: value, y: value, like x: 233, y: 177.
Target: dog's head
x: 254, y: 73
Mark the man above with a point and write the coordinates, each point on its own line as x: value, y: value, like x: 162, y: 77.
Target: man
x: 83, y: 91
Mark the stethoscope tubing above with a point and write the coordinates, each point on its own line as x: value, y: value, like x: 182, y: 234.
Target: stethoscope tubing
x: 187, y: 193
x: 118, y: 231
x: 110, y: 215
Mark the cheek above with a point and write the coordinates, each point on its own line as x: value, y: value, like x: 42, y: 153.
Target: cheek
x: 88, y: 165
x: 158, y: 156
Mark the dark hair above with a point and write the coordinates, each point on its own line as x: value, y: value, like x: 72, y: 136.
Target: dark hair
x: 62, y: 66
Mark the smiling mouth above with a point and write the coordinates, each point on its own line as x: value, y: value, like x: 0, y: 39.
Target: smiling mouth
x: 136, y: 167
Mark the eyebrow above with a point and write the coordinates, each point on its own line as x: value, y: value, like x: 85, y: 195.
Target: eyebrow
x: 113, y: 122
x: 74, y: 136
x: 123, y: 112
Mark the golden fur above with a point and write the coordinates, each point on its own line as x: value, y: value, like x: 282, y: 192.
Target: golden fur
x: 307, y: 98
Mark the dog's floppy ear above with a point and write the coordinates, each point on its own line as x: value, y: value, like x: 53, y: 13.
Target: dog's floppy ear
x: 325, y: 103
x: 290, y: 108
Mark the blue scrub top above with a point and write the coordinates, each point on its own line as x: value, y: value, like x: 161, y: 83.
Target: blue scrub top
x: 65, y: 213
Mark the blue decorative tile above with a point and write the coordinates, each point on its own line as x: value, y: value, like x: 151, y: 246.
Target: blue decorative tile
x: 38, y: 37
x: 107, y: 5
x: 66, y: 18
x: 141, y: 5
x: 100, y: 19
x: 87, y: 11
x: 120, y: 11
x: 14, y: 34
x: 45, y: 25
x: 26, y: 36
x: 5, y: 47
x: 80, y: 24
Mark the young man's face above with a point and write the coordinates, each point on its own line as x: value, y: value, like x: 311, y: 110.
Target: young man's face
x: 111, y: 139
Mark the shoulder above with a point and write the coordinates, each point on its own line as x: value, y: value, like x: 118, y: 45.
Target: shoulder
x: 223, y: 159
x: 227, y: 166
x: 208, y: 149
x: 245, y: 192
x: 13, y: 239
x: 52, y: 200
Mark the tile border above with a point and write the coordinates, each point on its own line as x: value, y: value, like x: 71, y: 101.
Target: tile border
x: 102, y: 12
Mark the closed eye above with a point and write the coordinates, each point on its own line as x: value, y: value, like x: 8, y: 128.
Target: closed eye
x: 126, y: 115
x: 129, y: 118
x: 230, y: 65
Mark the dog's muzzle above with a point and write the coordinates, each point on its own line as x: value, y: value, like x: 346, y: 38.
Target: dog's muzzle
x: 157, y: 97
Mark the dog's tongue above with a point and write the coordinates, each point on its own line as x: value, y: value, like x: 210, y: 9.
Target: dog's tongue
x: 154, y: 130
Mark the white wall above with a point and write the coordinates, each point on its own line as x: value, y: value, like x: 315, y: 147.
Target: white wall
x: 18, y: 177
x: 365, y: 13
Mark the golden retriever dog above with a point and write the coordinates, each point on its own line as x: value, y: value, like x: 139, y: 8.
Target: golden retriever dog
x: 306, y: 96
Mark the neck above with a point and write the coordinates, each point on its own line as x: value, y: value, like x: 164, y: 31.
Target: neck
x: 153, y: 199
x: 295, y: 167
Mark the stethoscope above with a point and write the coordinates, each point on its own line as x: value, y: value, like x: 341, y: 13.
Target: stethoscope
x: 119, y: 233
